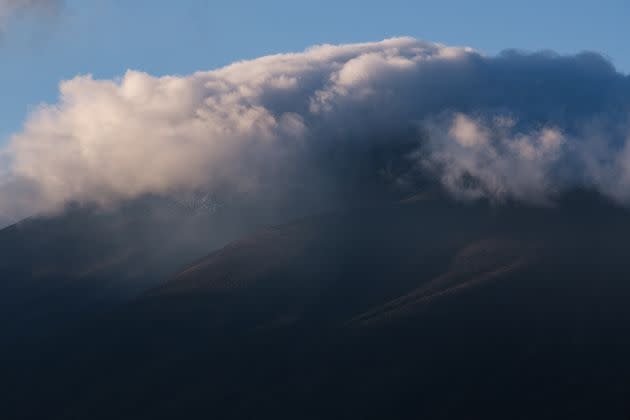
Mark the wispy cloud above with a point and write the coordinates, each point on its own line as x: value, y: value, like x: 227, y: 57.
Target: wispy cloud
x: 15, y: 8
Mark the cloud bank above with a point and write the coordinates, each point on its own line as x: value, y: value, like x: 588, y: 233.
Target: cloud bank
x: 334, y: 118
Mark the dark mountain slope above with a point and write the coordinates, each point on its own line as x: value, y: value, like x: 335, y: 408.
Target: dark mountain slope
x: 425, y: 310
x: 59, y: 270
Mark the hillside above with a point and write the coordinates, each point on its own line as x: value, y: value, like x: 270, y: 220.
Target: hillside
x: 430, y: 309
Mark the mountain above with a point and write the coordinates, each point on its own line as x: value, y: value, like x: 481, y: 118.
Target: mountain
x: 61, y: 269
x: 423, y: 309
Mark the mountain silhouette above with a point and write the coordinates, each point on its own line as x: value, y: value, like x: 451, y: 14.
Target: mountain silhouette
x: 419, y: 309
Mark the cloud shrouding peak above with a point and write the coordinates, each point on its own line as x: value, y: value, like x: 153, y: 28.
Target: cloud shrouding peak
x: 516, y: 125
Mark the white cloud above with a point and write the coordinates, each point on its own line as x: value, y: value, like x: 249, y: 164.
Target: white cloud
x: 517, y: 125
x: 467, y: 132
x: 490, y: 159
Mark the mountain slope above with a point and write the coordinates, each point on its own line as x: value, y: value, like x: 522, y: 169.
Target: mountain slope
x: 431, y: 309
x: 60, y: 270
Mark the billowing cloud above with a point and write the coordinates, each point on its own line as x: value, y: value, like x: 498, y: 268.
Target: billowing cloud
x: 475, y: 158
x: 518, y: 125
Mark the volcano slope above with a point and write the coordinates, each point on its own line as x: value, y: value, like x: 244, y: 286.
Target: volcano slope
x: 431, y: 309
x: 59, y: 270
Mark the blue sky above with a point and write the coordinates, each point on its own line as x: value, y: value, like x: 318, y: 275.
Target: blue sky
x: 106, y: 37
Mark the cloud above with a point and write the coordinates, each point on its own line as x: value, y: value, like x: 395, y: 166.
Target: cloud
x: 11, y: 8
x: 331, y: 120
x: 38, y: 6
x: 476, y: 158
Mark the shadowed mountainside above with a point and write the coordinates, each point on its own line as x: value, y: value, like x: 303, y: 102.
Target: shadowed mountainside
x: 430, y: 309
x: 58, y: 271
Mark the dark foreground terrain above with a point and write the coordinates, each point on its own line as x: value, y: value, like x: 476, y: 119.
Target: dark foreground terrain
x: 424, y: 309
